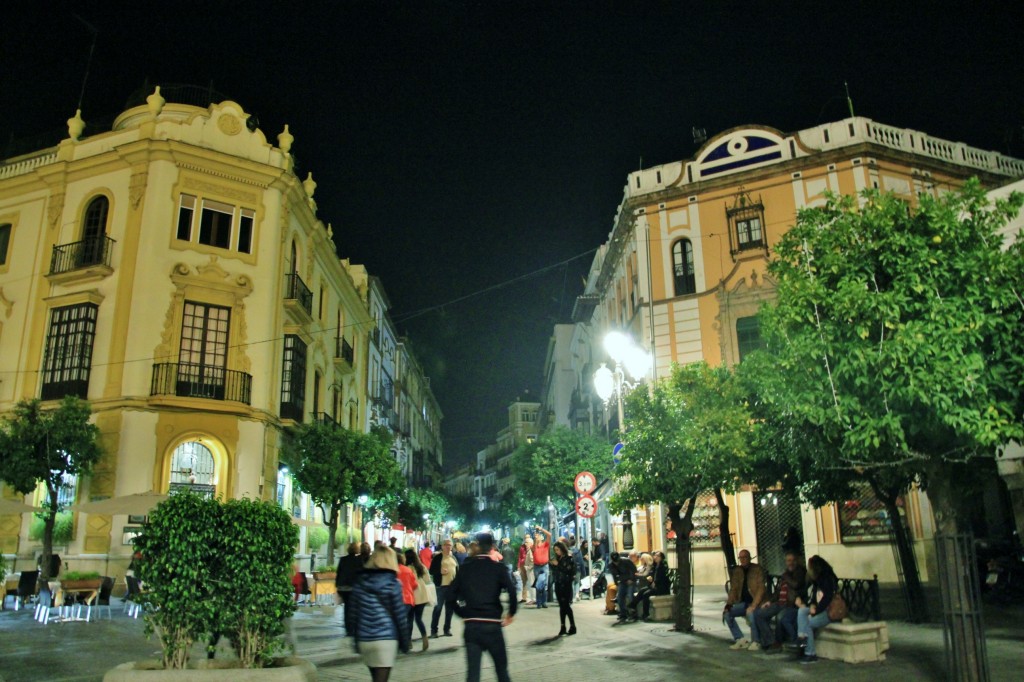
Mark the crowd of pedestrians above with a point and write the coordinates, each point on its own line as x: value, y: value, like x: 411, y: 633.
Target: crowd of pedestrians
x: 386, y: 592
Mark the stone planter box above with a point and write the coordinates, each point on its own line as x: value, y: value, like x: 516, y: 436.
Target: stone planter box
x: 90, y: 584
x: 661, y: 607
x: 853, y: 642
x: 285, y: 670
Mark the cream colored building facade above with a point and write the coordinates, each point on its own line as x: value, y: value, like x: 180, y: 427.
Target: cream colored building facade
x: 684, y: 272
x: 174, y: 272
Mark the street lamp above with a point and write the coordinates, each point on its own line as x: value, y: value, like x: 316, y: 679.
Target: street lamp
x: 629, y: 359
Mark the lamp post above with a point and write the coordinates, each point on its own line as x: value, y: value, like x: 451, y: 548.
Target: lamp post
x: 634, y: 360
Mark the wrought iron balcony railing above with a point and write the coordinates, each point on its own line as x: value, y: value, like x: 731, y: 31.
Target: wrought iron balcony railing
x: 198, y: 381
x: 324, y: 419
x: 295, y: 289
x: 83, y: 254
x: 345, y: 351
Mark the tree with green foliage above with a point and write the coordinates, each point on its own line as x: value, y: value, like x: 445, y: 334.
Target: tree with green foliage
x: 548, y: 467
x: 335, y: 465
x: 40, y: 445
x: 419, y: 502
x: 515, y: 507
x: 690, y: 433
x: 898, y: 331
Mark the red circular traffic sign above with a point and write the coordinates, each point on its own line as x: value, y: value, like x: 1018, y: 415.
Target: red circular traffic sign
x: 586, y: 506
x: 585, y: 482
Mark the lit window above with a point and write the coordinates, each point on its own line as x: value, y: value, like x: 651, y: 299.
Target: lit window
x: 682, y: 268
x: 746, y: 221
x: 748, y: 233
x: 193, y: 468
x: 67, y: 361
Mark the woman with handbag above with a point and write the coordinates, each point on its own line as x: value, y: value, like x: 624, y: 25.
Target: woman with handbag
x: 424, y: 585
x: 826, y: 606
x: 379, y: 614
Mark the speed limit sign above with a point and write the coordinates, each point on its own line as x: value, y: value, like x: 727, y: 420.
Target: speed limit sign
x: 586, y: 506
x: 585, y: 482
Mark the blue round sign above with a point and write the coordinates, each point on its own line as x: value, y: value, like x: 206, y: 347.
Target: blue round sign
x: 617, y: 453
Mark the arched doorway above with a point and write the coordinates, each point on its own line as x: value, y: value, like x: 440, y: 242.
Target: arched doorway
x: 193, y: 468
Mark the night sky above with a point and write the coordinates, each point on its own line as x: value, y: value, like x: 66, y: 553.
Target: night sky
x: 461, y: 145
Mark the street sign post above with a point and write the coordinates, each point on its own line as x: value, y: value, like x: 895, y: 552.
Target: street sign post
x: 586, y: 506
x: 585, y: 482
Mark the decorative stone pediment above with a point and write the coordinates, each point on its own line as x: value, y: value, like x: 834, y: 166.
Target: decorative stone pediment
x: 209, y: 283
x: 742, y: 299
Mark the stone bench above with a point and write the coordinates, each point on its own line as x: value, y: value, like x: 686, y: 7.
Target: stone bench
x: 661, y: 607
x: 852, y: 642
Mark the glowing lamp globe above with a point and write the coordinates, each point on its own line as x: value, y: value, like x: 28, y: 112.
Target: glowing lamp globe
x: 604, y: 382
x: 617, y: 345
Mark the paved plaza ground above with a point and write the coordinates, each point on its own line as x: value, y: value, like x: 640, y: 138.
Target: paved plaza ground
x: 83, y: 651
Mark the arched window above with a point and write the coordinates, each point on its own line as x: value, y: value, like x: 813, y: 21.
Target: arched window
x: 94, y: 232
x: 682, y: 268
x: 193, y: 468
x: 94, y: 222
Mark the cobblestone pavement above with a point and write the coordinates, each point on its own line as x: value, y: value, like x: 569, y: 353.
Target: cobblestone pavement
x: 81, y: 652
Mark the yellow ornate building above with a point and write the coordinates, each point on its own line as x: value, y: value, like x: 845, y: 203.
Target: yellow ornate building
x: 684, y: 271
x: 174, y: 272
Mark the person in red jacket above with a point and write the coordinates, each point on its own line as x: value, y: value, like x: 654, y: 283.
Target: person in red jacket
x: 541, y: 556
x: 407, y: 577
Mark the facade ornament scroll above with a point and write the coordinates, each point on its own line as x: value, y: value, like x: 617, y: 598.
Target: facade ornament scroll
x: 54, y: 209
x: 137, y: 187
x: 210, y: 278
x: 744, y: 299
x: 7, y: 304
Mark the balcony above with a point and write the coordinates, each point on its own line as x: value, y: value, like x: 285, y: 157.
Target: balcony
x: 198, y: 381
x: 324, y: 419
x: 298, y: 298
x: 344, y: 356
x: 84, y: 260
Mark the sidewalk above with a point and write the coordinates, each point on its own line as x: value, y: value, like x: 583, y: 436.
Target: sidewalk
x: 82, y: 652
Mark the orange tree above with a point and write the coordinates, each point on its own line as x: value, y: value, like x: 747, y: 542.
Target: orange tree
x: 690, y: 433
x: 44, y: 446
x: 335, y: 465
x: 898, y: 334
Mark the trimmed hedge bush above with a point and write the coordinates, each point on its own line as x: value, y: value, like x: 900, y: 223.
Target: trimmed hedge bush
x: 217, y: 568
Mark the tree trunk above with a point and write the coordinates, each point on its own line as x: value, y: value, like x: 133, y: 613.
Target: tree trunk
x: 332, y: 529
x: 723, y: 530
x: 48, y: 523
x: 962, y: 622
x: 682, y: 526
x: 916, y: 602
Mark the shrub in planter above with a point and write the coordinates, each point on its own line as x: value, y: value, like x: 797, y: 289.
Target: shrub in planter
x: 178, y: 549
x: 316, y: 539
x: 255, y: 554
x: 217, y: 568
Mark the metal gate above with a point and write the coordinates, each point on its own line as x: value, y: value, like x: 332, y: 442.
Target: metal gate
x: 775, y: 513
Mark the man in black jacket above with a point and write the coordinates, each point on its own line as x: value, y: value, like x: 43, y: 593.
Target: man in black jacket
x: 348, y: 570
x: 476, y: 595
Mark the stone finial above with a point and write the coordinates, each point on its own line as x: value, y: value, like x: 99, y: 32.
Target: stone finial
x: 155, y: 102
x: 309, y: 184
x: 285, y: 139
x: 76, y: 125
x: 330, y: 231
